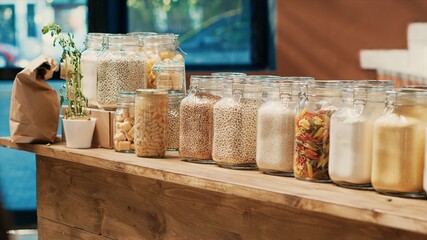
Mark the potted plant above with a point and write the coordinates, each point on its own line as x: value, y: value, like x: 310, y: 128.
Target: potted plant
x: 78, y: 126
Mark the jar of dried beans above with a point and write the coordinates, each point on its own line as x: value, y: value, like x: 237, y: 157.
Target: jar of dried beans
x: 165, y: 67
x: 350, y: 154
x: 399, y: 144
x: 124, y: 122
x: 172, y: 136
x: 311, y: 156
x: 196, y: 119
x: 235, y: 118
x: 120, y: 69
x: 151, y: 119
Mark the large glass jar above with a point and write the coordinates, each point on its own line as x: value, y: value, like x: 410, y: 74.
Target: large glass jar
x: 350, y: 154
x: 120, y: 69
x: 165, y: 67
x: 319, y: 101
x: 94, y: 45
x: 172, y: 136
x: 124, y: 118
x: 276, y: 126
x: 151, y: 120
x: 235, y: 119
x: 196, y: 119
x: 399, y: 144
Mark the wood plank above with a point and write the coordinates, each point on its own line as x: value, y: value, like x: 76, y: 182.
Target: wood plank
x: 364, y: 206
x: 52, y: 230
x: 122, y: 206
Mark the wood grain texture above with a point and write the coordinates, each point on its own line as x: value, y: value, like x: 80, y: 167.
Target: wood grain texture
x: 117, y: 205
x: 362, y: 206
x: 50, y: 230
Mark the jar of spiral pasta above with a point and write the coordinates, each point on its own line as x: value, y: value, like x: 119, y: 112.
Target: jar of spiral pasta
x: 120, y: 69
x: 151, y: 122
x: 124, y: 118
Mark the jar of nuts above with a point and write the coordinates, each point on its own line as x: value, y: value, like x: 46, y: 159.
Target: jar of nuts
x: 172, y: 136
x: 124, y: 122
x: 151, y: 119
x: 120, y: 69
x: 165, y: 67
x: 196, y: 119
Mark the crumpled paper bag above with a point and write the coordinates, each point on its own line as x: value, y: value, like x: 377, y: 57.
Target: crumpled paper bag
x: 34, y: 104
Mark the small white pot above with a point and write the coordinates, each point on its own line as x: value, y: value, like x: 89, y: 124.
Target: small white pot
x: 79, y: 133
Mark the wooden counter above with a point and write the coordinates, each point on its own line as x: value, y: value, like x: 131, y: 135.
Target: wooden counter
x: 101, y: 194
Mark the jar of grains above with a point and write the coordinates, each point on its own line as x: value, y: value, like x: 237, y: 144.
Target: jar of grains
x: 120, y: 69
x: 151, y: 119
x: 172, y: 136
x: 399, y: 144
x: 196, y: 119
x: 235, y: 118
x: 165, y: 67
x: 311, y: 156
x: 350, y: 154
x: 124, y: 118
x: 276, y: 126
x: 94, y: 45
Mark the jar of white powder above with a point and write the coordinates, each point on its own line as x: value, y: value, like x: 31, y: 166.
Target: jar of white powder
x: 399, y: 144
x: 350, y: 154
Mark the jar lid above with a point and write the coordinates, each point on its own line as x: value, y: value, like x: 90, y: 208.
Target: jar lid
x: 161, y: 39
x: 152, y: 91
x: 162, y: 66
x: 231, y: 74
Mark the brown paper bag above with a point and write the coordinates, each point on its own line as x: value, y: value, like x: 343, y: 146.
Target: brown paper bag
x: 34, y: 104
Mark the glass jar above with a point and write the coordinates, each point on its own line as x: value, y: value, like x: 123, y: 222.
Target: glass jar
x: 399, y: 144
x: 165, y: 67
x: 172, y: 136
x: 265, y: 80
x: 196, y: 119
x: 151, y: 119
x: 120, y: 69
x: 235, y: 119
x: 318, y: 102
x: 94, y: 44
x: 350, y: 153
x: 276, y: 128
x: 124, y: 120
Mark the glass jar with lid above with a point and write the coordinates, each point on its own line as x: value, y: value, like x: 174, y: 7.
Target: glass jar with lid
x: 165, y: 66
x: 94, y: 45
x: 235, y: 119
x: 124, y: 120
x: 399, y: 144
x: 196, y: 119
x: 318, y: 102
x: 120, y: 69
x: 172, y: 136
x: 151, y: 122
x: 350, y: 154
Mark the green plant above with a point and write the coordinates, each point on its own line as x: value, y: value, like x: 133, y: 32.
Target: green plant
x: 70, y: 59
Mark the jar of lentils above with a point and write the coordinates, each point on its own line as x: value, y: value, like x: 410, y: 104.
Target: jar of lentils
x: 120, y: 69
x: 151, y: 119
x: 172, y: 136
x: 124, y: 118
x: 196, y: 119
x: 319, y: 101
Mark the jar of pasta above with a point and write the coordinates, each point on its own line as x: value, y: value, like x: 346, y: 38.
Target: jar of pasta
x: 124, y: 118
x: 399, y: 144
x: 165, y: 66
x: 319, y: 101
x: 151, y: 122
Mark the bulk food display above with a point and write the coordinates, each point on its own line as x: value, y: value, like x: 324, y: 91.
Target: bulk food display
x: 124, y: 122
x: 350, y: 154
x: 312, y: 123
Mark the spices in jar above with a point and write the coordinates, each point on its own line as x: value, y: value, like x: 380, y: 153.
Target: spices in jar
x: 151, y: 116
x: 172, y: 136
x: 196, y: 120
x: 124, y: 123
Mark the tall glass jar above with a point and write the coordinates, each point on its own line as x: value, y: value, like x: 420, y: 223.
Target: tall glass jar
x: 276, y: 128
x: 172, y: 136
x: 235, y: 119
x: 311, y: 157
x: 165, y: 67
x: 120, y: 69
x: 124, y: 118
x: 94, y: 45
x: 399, y: 144
x: 196, y: 119
x: 151, y: 122
x: 350, y: 154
